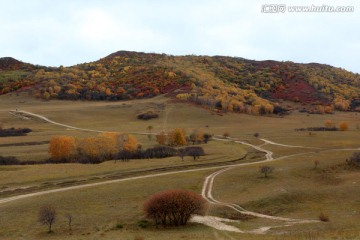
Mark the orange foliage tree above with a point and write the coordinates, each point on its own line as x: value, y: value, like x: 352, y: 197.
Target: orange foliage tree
x: 131, y: 144
x: 161, y: 138
x: 62, y: 148
x: 344, y: 126
x: 177, y: 137
x: 328, y: 124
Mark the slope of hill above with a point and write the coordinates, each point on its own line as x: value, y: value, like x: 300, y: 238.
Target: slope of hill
x: 219, y: 83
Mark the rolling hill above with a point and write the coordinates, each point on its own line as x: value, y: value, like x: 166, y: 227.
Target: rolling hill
x: 219, y: 83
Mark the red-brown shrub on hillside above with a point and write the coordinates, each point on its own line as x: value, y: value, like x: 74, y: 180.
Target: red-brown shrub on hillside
x: 174, y: 207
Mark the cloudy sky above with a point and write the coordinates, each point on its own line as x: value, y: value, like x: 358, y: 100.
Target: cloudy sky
x: 68, y: 32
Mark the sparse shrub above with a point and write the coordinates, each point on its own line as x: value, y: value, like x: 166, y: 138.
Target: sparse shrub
x: 323, y: 217
x: 47, y: 216
x: 355, y: 159
x: 148, y: 115
x: 226, y: 135
x: 266, y: 170
x: 119, y: 226
x: 256, y: 135
x: 69, y: 218
x: 9, y: 160
x: 11, y: 132
x: 316, y: 163
x: 174, y: 207
x: 143, y: 223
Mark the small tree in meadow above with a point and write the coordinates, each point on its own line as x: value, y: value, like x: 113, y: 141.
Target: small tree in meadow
x: 69, y: 218
x: 161, y: 138
x: 195, y: 152
x: 179, y: 137
x: 182, y: 153
x: 328, y: 124
x: 47, y: 216
x: 266, y: 170
x: 343, y: 126
x: 316, y: 163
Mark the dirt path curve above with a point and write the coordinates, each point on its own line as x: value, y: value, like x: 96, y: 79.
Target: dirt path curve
x: 215, y: 222
x: 208, y: 187
x: 283, y: 145
x: 24, y: 114
x: 220, y: 223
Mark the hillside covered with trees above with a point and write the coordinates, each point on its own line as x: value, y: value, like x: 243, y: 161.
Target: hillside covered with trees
x: 218, y: 83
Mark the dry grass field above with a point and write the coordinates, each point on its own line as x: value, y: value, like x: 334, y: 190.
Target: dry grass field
x: 295, y: 188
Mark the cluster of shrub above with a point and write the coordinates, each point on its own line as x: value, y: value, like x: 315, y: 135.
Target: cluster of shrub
x: 10, y: 160
x: 174, y: 207
x: 317, y: 129
x: 354, y: 159
x: 124, y: 155
x: 14, y: 132
x: 148, y: 115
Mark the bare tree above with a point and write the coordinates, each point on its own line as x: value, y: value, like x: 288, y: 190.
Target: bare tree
x: 316, y: 163
x: 47, y: 216
x: 182, y: 153
x: 69, y: 218
x: 149, y: 129
x: 266, y: 170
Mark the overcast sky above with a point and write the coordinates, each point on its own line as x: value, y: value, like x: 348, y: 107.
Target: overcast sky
x: 68, y: 32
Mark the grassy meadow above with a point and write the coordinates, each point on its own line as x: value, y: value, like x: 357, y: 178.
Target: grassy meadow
x: 295, y: 188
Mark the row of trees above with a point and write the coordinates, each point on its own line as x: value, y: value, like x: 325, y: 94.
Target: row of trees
x: 112, y: 146
x: 91, y: 149
x: 343, y: 126
x: 177, y: 137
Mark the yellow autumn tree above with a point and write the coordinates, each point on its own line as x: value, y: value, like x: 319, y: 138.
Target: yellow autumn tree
x: 62, y: 148
x: 131, y: 144
x: 177, y: 137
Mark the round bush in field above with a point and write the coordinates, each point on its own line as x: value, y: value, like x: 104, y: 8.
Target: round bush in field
x: 174, y: 207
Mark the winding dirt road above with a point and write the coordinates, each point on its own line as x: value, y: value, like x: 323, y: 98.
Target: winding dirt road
x: 215, y: 222
x: 208, y: 187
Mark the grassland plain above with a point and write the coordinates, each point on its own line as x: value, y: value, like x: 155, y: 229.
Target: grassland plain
x: 295, y: 189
